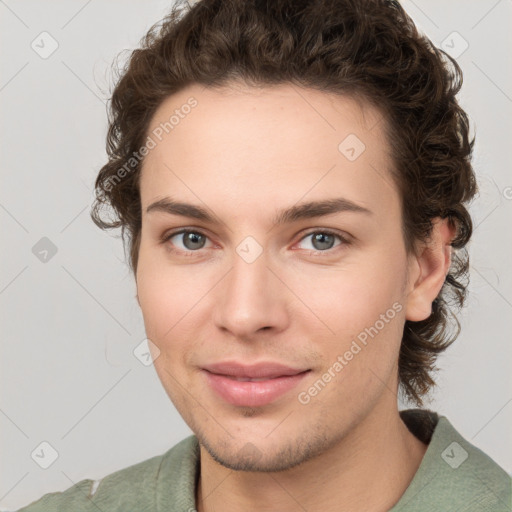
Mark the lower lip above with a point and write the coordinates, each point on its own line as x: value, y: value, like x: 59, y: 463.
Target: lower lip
x: 252, y: 393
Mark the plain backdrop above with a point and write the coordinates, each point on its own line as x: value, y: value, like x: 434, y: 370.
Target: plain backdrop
x: 70, y: 320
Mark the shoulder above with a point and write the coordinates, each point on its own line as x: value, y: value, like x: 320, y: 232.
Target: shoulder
x: 481, y: 481
x: 126, y: 489
x: 456, y: 475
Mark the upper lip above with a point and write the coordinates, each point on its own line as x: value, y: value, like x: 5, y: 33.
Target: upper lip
x: 260, y: 370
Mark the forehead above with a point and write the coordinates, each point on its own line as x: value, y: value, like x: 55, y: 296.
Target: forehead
x: 273, y: 145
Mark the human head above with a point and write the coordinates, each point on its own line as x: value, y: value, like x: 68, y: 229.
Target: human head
x: 368, y: 50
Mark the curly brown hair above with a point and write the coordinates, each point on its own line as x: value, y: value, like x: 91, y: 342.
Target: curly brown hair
x: 365, y: 48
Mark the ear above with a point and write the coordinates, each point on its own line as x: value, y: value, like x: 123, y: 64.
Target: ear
x: 428, y: 270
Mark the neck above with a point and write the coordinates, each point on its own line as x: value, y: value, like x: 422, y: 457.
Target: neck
x: 367, y: 470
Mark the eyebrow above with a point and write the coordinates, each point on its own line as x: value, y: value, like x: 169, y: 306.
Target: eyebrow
x: 287, y: 216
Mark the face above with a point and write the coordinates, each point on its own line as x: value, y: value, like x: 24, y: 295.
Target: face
x: 274, y: 336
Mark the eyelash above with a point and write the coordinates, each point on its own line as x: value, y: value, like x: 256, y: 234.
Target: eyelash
x: 328, y: 252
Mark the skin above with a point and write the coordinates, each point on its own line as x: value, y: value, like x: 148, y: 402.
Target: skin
x: 244, y: 153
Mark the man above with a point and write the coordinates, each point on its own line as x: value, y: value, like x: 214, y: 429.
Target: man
x: 293, y: 179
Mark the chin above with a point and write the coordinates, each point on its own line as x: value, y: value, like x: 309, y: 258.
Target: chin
x: 263, y: 454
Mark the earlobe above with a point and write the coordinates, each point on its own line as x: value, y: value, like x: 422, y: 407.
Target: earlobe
x: 434, y: 262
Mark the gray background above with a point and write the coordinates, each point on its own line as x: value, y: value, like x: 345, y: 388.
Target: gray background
x: 70, y: 324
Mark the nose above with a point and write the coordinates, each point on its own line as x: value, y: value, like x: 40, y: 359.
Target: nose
x: 251, y: 299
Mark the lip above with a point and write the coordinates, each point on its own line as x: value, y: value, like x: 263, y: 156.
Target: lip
x: 274, y: 380
x: 264, y: 369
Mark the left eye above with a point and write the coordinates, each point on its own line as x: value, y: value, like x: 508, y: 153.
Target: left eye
x: 323, y: 240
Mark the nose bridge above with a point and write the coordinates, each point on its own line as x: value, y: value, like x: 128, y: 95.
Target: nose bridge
x: 250, y: 296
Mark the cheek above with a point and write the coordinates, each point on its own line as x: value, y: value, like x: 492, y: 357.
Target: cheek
x: 363, y: 308
x: 352, y: 299
x: 160, y: 297
x: 359, y: 360
x: 162, y: 305
x: 174, y: 308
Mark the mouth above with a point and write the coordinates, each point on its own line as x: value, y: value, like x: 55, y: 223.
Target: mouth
x: 252, y: 385
x: 247, y: 379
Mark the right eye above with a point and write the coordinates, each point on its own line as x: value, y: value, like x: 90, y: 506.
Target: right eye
x: 191, y: 240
